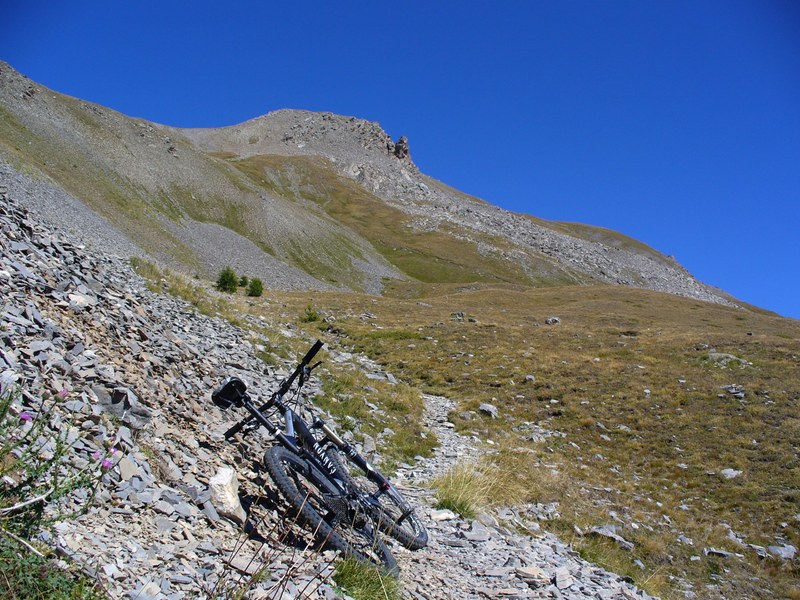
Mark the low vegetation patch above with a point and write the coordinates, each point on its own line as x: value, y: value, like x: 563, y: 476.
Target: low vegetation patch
x: 508, y: 477
x: 364, y: 581
x: 36, y: 491
x: 227, y: 281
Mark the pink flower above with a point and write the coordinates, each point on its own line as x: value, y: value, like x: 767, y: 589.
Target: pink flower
x: 63, y: 393
x: 96, y: 455
x: 107, y: 463
x: 25, y: 416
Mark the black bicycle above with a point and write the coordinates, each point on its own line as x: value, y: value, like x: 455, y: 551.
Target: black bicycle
x: 343, y: 510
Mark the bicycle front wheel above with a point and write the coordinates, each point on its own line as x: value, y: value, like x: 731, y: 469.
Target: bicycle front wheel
x: 392, y: 513
x: 336, y: 521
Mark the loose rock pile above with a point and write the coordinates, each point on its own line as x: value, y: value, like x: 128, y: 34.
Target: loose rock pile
x: 130, y: 374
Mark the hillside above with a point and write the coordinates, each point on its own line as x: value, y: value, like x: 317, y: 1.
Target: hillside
x: 115, y: 371
x: 616, y: 421
x: 304, y: 201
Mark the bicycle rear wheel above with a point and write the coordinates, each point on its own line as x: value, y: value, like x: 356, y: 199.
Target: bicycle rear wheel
x: 317, y: 503
x: 393, y: 515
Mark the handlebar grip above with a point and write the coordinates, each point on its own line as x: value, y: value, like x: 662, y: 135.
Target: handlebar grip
x: 312, y: 353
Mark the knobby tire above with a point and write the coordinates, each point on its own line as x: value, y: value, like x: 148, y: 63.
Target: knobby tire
x: 316, y: 503
x: 386, y: 513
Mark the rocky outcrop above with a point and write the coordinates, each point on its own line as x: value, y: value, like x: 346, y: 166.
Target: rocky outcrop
x: 401, y: 150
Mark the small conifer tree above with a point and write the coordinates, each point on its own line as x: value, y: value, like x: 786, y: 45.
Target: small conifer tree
x: 243, y: 281
x: 227, y: 280
x: 256, y: 288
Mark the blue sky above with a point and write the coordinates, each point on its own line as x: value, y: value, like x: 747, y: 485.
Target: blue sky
x: 677, y: 123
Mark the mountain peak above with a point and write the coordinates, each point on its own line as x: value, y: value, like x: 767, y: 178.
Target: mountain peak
x: 292, y: 132
x: 305, y: 193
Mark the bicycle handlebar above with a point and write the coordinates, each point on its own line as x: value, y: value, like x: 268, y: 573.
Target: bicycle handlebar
x: 285, y: 386
x: 287, y: 383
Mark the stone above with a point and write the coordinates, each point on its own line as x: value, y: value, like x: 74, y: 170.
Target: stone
x: 478, y: 533
x: 785, y: 552
x: 737, y: 391
x: 443, y: 515
x: 488, y: 409
x: 610, y: 532
x: 455, y: 543
x: 730, y: 473
x: 533, y: 576
x: 369, y: 449
x: 717, y: 552
x: 225, y: 495
x: 722, y: 359
x: 562, y: 578
x: 401, y: 150
x: 78, y: 301
x: 127, y: 468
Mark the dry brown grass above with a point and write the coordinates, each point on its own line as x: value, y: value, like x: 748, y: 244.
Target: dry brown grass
x: 505, y: 477
x: 654, y: 452
x: 652, y: 459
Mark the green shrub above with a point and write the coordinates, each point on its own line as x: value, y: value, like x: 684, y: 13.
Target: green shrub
x: 256, y: 288
x: 227, y: 280
x: 243, y: 281
x: 309, y: 315
x: 33, y: 466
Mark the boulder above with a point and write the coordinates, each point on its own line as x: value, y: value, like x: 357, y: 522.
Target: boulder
x: 488, y: 409
x: 225, y: 495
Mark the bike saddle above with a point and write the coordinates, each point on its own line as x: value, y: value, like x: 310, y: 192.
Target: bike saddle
x: 230, y: 393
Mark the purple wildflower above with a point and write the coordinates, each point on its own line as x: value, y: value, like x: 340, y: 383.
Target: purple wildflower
x: 63, y: 393
x: 25, y: 416
x: 96, y: 455
x: 107, y: 463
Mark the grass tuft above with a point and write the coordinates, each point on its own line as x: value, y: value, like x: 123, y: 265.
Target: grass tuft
x: 364, y: 581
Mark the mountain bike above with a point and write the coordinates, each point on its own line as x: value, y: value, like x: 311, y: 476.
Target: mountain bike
x: 309, y: 465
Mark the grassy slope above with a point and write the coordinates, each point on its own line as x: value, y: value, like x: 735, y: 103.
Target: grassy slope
x: 427, y: 256
x: 74, y: 156
x: 125, y: 172
x: 143, y: 178
x: 590, y: 233
x: 654, y: 459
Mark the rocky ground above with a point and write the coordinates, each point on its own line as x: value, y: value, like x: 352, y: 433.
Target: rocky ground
x: 127, y: 375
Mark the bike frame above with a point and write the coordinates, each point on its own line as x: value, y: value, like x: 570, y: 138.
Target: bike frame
x: 297, y: 436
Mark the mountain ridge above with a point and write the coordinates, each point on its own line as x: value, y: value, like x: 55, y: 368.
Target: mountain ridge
x: 280, y: 187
